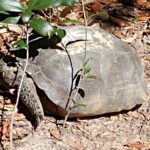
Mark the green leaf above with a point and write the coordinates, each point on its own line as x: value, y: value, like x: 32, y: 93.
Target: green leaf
x: 60, y: 32
x: 86, y: 69
x: 21, y: 44
x: 26, y: 15
x: 38, y: 4
x: 11, y: 20
x: 67, y: 2
x: 42, y: 27
x: 11, y: 5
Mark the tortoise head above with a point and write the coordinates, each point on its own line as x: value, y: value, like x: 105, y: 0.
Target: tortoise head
x: 9, y: 69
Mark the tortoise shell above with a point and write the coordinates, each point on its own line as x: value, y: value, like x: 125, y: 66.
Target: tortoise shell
x: 104, y: 77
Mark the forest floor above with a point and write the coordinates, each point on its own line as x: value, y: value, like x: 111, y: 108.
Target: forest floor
x: 129, y: 130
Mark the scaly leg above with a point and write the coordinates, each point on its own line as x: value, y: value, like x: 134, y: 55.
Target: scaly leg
x: 29, y: 97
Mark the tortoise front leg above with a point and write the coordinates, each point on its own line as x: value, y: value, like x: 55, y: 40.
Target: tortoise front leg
x: 28, y: 93
x: 29, y: 97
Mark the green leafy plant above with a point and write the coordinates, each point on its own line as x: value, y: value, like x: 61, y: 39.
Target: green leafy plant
x: 14, y: 12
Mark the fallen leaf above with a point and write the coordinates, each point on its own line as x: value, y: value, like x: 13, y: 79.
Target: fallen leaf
x: 119, y: 22
x: 14, y: 28
x: 146, y: 5
x: 1, y: 107
x: 8, y: 107
x: 1, y: 44
x: 5, y: 129
x: 140, y: 2
x: 129, y: 40
x: 96, y: 7
x: 75, y: 144
x: 136, y: 145
x: 144, y: 18
x: 19, y: 117
x: 119, y: 34
x: 88, y: 1
x: 130, y: 11
x: 108, y: 2
x: 3, y: 30
x: 55, y: 134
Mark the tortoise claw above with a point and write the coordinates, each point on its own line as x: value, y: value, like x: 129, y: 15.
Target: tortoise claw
x: 38, y: 119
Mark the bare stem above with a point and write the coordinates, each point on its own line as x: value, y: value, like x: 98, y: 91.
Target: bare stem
x: 18, y: 93
x: 85, y: 20
x: 84, y: 60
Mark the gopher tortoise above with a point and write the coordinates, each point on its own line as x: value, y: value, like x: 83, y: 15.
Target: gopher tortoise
x: 107, y: 77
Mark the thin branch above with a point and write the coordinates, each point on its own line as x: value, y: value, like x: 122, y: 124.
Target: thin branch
x: 85, y: 19
x: 72, y: 75
x: 19, y: 89
x: 84, y: 60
